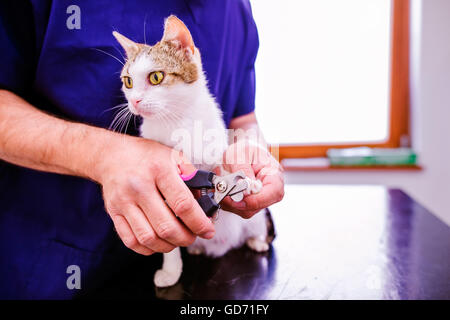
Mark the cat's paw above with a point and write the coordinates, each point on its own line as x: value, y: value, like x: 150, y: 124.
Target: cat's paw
x: 254, y: 186
x: 164, y: 278
x: 195, y: 250
x: 257, y: 244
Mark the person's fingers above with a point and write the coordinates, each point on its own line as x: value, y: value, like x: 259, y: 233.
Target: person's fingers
x: 163, y: 221
x: 218, y: 170
x: 238, y: 157
x: 186, y: 168
x: 246, y: 168
x: 272, y: 191
x: 257, y: 163
x: 143, y: 231
x: 239, y: 208
x: 182, y: 202
x: 235, y: 163
x: 268, y: 167
x: 125, y: 233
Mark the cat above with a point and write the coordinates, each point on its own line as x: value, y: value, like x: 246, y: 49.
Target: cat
x: 166, y: 86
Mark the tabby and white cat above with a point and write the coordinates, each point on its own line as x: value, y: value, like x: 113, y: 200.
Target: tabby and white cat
x: 166, y: 86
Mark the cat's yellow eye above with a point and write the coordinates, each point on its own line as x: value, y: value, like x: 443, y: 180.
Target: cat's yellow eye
x: 156, y: 77
x: 128, y: 82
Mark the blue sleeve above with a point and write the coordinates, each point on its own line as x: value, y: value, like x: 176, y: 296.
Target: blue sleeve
x: 246, y: 99
x: 18, y: 59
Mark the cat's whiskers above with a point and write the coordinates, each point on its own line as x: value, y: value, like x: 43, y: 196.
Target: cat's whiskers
x: 124, y: 123
x: 120, y: 53
x: 130, y: 115
x: 163, y: 119
x: 134, y: 120
x: 116, y: 118
x: 177, y: 115
x: 145, y: 20
x: 124, y: 108
x: 119, y: 118
x: 174, y: 117
x: 170, y: 117
x: 179, y: 108
x: 160, y: 115
x: 109, y: 54
x: 115, y: 107
x: 117, y: 125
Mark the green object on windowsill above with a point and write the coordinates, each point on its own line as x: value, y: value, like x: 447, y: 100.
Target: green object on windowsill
x: 365, y: 156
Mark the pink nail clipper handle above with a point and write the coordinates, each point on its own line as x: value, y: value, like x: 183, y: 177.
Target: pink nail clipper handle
x: 202, y: 180
x: 187, y: 177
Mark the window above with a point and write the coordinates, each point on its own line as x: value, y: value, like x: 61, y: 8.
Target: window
x: 332, y: 74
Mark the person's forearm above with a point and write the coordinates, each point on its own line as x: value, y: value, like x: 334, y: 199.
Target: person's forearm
x: 34, y: 139
x: 250, y: 125
x: 141, y: 187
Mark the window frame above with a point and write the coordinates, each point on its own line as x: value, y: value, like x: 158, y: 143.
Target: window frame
x: 399, y: 94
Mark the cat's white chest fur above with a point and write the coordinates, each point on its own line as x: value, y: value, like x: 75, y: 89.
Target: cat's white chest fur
x: 200, y: 135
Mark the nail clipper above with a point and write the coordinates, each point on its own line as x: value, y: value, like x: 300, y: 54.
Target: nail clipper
x: 232, y: 185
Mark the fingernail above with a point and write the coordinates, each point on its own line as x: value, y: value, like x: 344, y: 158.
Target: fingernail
x: 209, y: 235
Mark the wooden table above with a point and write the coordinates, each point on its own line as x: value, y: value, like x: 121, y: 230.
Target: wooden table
x: 333, y: 242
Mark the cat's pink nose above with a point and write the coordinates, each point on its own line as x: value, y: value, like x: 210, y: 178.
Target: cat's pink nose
x: 136, y: 102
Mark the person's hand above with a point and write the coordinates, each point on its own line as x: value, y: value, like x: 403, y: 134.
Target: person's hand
x: 257, y: 163
x: 136, y: 176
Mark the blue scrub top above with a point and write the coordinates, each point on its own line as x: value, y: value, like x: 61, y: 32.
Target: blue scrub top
x: 48, y: 221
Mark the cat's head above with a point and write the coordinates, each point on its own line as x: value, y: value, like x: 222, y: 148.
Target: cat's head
x: 156, y: 79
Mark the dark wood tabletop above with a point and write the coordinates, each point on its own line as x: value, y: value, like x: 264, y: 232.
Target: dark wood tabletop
x: 333, y: 242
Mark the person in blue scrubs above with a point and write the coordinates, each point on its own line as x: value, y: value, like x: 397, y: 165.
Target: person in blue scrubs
x: 66, y: 197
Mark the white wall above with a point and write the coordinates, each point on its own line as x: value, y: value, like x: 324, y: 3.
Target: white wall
x: 430, y: 109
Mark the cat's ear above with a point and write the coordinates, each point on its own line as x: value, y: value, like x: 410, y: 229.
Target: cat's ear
x: 176, y: 30
x: 128, y: 45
